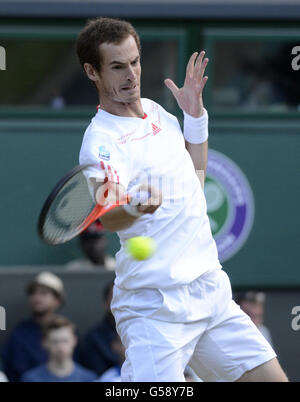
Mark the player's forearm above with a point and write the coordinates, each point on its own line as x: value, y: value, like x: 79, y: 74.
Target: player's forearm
x: 117, y: 219
x: 144, y: 199
x: 196, y: 135
x: 198, y: 153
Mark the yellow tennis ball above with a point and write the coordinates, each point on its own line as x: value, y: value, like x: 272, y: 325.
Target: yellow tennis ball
x: 141, y: 247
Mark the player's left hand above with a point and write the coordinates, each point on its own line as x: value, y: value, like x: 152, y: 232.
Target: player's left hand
x: 189, y: 97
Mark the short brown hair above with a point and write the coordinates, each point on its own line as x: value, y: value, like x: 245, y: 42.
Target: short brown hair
x: 57, y: 322
x: 102, y: 30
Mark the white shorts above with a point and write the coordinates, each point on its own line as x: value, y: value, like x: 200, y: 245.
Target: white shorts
x: 164, y: 330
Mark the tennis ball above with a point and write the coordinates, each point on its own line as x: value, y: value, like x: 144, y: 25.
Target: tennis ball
x: 141, y: 247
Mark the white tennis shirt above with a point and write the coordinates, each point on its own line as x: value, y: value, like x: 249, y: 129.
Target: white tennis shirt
x: 152, y: 150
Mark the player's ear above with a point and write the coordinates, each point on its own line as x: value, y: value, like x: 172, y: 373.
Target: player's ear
x: 91, y: 72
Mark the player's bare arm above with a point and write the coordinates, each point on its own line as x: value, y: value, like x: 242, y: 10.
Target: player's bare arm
x: 198, y: 154
x: 118, y: 219
x: 190, y: 100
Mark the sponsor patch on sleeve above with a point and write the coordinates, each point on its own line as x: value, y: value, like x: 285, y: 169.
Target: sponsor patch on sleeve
x: 104, y: 153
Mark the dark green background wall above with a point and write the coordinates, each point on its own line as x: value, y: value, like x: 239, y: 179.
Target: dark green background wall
x: 36, y: 151
x: 38, y: 145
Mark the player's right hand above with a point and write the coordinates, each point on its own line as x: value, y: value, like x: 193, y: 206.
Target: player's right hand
x: 154, y: 200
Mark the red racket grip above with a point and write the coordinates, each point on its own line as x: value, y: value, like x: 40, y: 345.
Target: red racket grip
x: 100, y: 210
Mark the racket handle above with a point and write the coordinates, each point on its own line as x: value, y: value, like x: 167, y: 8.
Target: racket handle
x: 140, y: 197
x: 136, y: 200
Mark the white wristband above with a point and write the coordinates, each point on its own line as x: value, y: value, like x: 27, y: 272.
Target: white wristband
x: 196, y: 128
x: 138, y: 197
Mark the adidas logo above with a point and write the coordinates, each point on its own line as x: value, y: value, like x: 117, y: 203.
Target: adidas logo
x: 155, y: 129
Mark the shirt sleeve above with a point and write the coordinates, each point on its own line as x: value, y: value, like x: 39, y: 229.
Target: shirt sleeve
x: 105, y: 159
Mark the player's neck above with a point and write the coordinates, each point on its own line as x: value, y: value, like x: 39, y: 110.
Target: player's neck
x: 133, y: 109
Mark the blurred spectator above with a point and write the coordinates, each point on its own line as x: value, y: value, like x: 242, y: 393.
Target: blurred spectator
x: 57, y: 101
x: 96, y: 349
x: 93, y: 243
x: 23, y: 349
x: 285, y: 79
x: 113, y: 374
x: 59, y: 340
x: 253, y: 304
x: 255, y: 80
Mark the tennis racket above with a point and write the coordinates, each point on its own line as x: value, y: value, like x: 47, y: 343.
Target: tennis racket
x: 71, y: 207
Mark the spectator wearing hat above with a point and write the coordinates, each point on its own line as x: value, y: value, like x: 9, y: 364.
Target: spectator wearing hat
x: 59, y: 339
x: 23, y: 349
x: 93, y: 243
x: 253, y: 304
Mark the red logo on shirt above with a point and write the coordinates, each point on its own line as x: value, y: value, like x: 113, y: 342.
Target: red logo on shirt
x: 155, y: 129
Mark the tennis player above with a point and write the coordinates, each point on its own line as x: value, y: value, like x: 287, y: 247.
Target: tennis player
x: 175, y: 308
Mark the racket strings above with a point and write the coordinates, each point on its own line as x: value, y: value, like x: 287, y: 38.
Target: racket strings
x: 74, y: 203
x: 71, y: 206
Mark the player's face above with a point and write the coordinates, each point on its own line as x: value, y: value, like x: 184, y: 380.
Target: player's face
x: 119, y: 78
